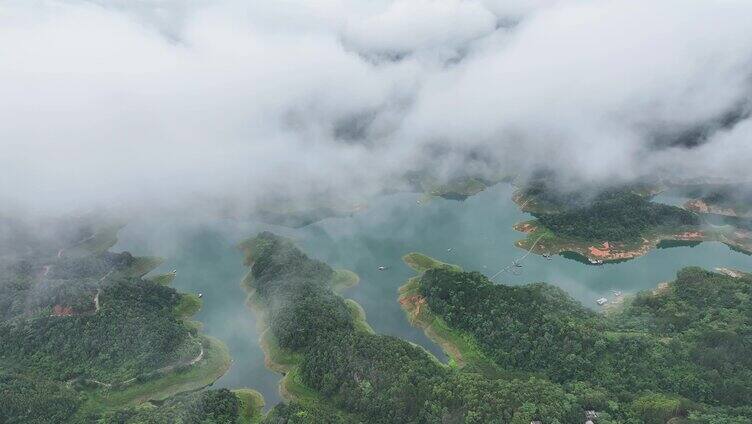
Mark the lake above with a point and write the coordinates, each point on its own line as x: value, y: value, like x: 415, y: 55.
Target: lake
x: 476, y: 234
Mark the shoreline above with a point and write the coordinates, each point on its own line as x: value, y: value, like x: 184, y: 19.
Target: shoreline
x: 212, y: 362
x: 599, y: 252
x: 215, y: 362
x: 461, y: 348
x: 287, y: 363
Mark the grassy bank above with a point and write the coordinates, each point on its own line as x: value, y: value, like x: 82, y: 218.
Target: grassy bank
x: 142, y: 265
x: 162, y: 279
x: 188, y: 306
x: 251, y: 406
x: 344, y: 279
x: 215, y: 363
x: 421, y: 263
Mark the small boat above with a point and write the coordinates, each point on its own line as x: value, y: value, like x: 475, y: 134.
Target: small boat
x: 449, y: 249
x: 200, y: 295
x: 383, y: 268
x: 602, y: 301
x: 547, y: 256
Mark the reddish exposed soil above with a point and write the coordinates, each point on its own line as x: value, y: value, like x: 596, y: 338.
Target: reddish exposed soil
x: 690, y: 235
x: 412, y: 304
x: 62, y: 311
x: 525, y: 227
x: 602, y: 252
x: 697, y: 205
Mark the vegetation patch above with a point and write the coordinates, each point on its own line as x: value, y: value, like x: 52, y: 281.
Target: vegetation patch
x: 358, y: 315
x: 250, y: 410
x: 142, y: 266
x: 341, y: 372
x: 163, y: 279
x: 457, y: 188
x: 207, y: 406
x: 459, y: 346
x: 161, y: 386
x: 615, y: 226
x: 344, y: 279
x: 290, y: 315
x: 420, y: 262
x: 631, y: 365
x: 85, y: 336
x: 188, y: 305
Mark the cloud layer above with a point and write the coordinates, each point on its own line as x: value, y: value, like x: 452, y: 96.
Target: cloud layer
x: 168, y: 103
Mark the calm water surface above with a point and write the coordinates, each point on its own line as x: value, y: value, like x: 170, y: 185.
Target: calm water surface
x: 476, y: 234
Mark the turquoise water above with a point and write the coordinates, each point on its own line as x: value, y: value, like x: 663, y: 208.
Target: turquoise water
x: 476, y: 234
x: 207, y: 262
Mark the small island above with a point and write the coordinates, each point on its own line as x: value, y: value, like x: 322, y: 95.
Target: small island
x: 458, y: 187
x: 613, y: 225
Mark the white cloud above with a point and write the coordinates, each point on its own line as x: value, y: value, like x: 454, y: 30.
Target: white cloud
x: 160, y: 102
x: 405, y: 26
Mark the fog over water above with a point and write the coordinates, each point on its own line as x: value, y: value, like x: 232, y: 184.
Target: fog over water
x: 478, y: 231
x: 161, y: 105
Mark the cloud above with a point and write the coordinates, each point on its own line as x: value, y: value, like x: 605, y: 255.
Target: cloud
x: 407, y: 26
x: 582, y: 86
x: 99, y: 107
x: 168, y: 103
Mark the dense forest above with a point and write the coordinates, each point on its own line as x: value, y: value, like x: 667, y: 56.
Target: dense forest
x: 617, y: 216
x: 134, y: 332
x: 679, y: 352
x: 44, y: 402
x: 78, y: 321
x: 380, y: 379
x: 31, y: 400
x: 220, y: 406
x: 548, y: 192
x: 539, y: 194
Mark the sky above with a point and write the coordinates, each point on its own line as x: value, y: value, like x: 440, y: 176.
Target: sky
x: 168, y: 104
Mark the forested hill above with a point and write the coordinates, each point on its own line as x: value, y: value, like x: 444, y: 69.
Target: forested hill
x: 597, y: 225
x: 680, y: 352
x: 85, y: 335
x: 618, y: 216
x: 377, y: 378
